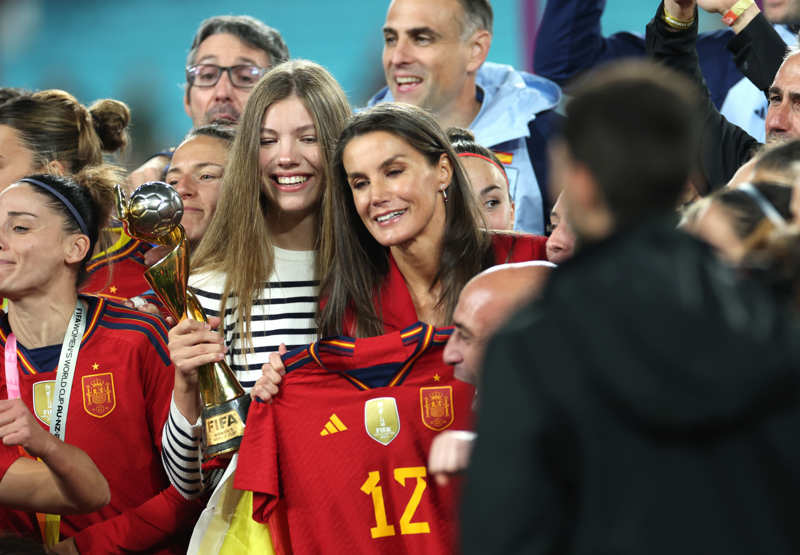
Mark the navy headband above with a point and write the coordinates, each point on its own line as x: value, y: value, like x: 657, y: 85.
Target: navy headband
x: 766, y: 207
x: 63, y: 199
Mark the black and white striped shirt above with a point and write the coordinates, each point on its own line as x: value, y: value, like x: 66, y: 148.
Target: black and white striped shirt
x: 282, y: 313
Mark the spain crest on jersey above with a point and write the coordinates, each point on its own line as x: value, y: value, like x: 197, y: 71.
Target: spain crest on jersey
x: 436, y: 405
x: 381, y: 419
x: 99, y: 398
x: 43, y: 393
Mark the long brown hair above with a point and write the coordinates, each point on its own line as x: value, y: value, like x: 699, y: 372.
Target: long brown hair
x: 238, y: 241
x: 54, y: 126
x: 355, y: 264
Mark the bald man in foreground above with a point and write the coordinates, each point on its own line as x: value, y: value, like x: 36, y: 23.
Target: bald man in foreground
x: 485, y: 303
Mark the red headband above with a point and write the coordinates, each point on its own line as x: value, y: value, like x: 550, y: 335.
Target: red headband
x: 492, y: 162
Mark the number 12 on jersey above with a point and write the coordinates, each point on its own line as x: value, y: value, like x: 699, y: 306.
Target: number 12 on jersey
x: 371, y: 487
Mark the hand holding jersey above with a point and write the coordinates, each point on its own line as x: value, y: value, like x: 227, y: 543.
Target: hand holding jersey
x: 272, y: 373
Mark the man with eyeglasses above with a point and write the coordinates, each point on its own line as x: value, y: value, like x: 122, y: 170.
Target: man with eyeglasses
x: 228, y: 56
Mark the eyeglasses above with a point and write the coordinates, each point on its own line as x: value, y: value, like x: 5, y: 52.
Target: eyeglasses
x: 243, y: 76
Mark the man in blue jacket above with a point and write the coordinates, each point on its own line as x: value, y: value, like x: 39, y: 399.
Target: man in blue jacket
x: 433, y: 57
x: 570, y: 41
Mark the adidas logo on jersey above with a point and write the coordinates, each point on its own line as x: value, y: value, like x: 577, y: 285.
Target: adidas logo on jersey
x: 332, y: 426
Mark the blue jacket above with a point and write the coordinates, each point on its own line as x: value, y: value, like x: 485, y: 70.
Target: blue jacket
x: 517, y: 117
x: 570, y: 41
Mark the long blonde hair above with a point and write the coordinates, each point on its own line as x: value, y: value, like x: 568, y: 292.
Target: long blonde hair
x: 238, y: 241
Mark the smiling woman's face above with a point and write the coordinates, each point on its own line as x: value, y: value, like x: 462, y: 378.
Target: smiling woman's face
x: 396, y: 191
x: 196, y: 171
x: 34, y: 248
x: 290, y: 157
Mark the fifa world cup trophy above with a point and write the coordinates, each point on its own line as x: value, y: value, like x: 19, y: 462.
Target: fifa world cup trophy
x: 153, y: 214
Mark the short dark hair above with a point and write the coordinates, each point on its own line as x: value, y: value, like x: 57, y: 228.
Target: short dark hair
x: 635, y: 126
x: 781, y: 159
x: 248, y: 29
x: 214, y: 130
x: 477, y: 15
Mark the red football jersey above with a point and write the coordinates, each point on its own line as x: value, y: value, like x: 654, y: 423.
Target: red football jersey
x: 118, y: 405
x: 8, y: 454
x: 342, y: 450
x: 118, y: 273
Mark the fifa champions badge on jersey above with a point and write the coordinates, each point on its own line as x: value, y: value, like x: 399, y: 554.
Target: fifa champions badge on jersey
x: 382, y: 419
x: 43, y: 400
x: 99, y: 398
x: 436, y: 406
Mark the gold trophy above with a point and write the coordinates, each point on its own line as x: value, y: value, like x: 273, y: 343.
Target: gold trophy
x: 153, y: 214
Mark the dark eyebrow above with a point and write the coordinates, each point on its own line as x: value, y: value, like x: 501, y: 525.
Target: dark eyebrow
x: 488, y: 189
x: 388, y: 162
x: 301, y: 129
x: 414, y: 31
x: 195, y: 166
x: 240, y: 60
x: 463, y: 329
x: 774, y: 90
x: 22, y: 214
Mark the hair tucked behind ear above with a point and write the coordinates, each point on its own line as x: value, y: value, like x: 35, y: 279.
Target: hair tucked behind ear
x: 91, y: 193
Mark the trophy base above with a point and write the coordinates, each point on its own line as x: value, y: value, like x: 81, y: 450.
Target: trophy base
x: 223, y: 427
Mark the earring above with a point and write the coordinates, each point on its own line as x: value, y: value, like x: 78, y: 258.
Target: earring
x: 444, y: 193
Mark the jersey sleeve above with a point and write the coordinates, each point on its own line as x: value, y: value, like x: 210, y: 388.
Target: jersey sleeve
x: 158, y: 378
x: 155, y: 522
x: 176, y: 439
x: 258, y: 460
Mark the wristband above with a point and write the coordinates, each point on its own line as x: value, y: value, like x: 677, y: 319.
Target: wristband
x: 736, y: 10
x: 676, y: 23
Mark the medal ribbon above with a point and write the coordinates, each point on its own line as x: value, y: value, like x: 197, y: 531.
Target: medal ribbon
x: 49, y: 524
x: 12, y: 374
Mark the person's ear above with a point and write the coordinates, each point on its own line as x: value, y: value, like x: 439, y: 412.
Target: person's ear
x: 479, y: 44
x: 76, y: 246
x: 55, y: 167
x: 445, y: 168
x: 187, y: 102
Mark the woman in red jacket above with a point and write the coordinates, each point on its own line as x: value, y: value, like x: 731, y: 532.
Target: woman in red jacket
x: 402, y: 233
